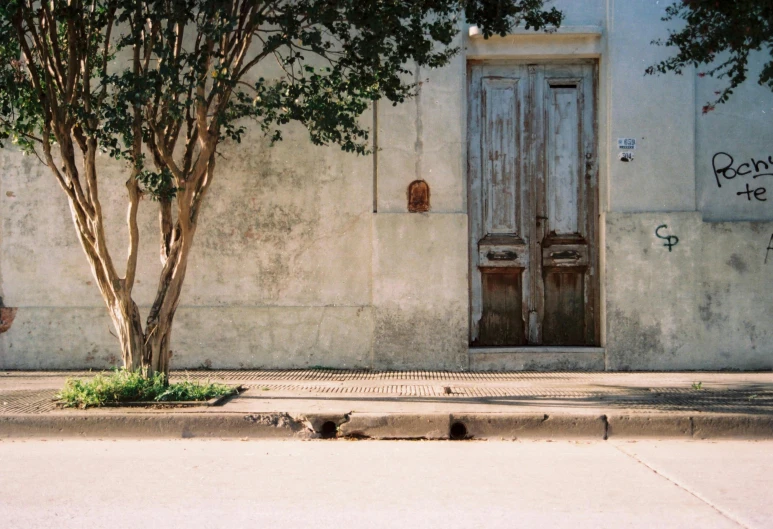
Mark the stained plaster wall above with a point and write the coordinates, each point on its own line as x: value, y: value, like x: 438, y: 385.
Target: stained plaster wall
x: 280, y: 274
x: 420, y: 296
x: 704, y: 305
x: 292, y: 267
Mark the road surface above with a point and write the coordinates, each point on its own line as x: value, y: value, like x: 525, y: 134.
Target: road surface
x: 384, y: 484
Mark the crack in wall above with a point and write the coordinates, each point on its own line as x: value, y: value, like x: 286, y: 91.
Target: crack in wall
x: 419, y: 145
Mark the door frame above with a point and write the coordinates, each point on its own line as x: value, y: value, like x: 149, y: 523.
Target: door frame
x: 595, y: 213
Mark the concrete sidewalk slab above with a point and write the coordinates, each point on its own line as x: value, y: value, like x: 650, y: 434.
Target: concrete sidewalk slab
x: 418, y: 404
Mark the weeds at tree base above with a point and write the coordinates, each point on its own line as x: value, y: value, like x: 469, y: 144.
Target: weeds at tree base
x: 122, y: 386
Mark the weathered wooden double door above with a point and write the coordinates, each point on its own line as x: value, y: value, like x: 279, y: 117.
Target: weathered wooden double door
x: 533, y: 199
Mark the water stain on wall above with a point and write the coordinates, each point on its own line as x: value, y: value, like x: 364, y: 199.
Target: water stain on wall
x: 738, y: 264
x: 265, y: 221
x: 638, y: 341
x: 710, y: 312
x: 420, y: 339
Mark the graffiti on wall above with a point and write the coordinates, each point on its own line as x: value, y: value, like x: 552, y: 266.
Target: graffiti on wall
x: 726, y: 168
x: 671, y: 240
x: 770, y: 247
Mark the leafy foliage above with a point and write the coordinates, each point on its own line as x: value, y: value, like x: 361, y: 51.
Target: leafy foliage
x: 719, y: 36
x: 336, y: 58
x: 133, y: 386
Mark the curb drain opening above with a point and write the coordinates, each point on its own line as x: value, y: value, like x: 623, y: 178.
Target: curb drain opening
x: 458, y: 431
x: 328, y: 430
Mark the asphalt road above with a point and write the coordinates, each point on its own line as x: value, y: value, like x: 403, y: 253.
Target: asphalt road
x: 391, y: 484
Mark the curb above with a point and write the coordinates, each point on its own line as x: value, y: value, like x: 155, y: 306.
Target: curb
x: 686, y: 426
x: 482, y: 426
x: 153, y: 426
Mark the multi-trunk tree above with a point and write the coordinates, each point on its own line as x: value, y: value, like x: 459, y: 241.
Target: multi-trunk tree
x: 160, y: 84
x: 718, y: 38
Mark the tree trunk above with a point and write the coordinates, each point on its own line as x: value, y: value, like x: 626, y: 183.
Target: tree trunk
x: 157, y: 348
x: 158, y: 328
x: 144, y: 351
x: 127, y: 322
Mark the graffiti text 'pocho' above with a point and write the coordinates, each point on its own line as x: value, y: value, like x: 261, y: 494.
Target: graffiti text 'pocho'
x: 725, y: 169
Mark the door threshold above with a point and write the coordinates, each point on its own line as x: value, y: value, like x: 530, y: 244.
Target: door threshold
x: 536, y: 349
x: 537, y: 358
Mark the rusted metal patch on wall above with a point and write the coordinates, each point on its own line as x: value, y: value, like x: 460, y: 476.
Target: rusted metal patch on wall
x: 418, y: 196
x: 7, y: 315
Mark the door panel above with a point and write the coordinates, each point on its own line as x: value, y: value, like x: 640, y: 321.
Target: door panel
x: 562, y: 158
x: 533, y: 204
x: 501, y: 250
x: 501, y: 323
x: 564, y: 322
x: 501, y: 136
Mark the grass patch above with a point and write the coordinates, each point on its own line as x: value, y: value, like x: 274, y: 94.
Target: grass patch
x: 130, y: 386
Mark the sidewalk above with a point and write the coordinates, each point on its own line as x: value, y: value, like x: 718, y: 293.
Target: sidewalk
x: 316, y: 403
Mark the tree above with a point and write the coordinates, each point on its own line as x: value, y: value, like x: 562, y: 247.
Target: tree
x: 159, y: 84
x: 719, y: 36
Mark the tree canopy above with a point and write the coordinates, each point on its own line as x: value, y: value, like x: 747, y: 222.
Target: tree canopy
x: 718, y: 38
x: 193, y: 56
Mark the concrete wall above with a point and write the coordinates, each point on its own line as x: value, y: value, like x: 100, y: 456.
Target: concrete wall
x: 656, y: 111
x: 737, y: 132
x: 420, y: 299
x: 307, y: 256
x: 704, y: 304
x: 266, y: 277
x: 700, y: 305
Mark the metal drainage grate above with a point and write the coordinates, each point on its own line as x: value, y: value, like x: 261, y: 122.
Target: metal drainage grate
x: 27, y: 401
x: 344, y: 375
x: 662, y: 398
x: 431, y: 391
